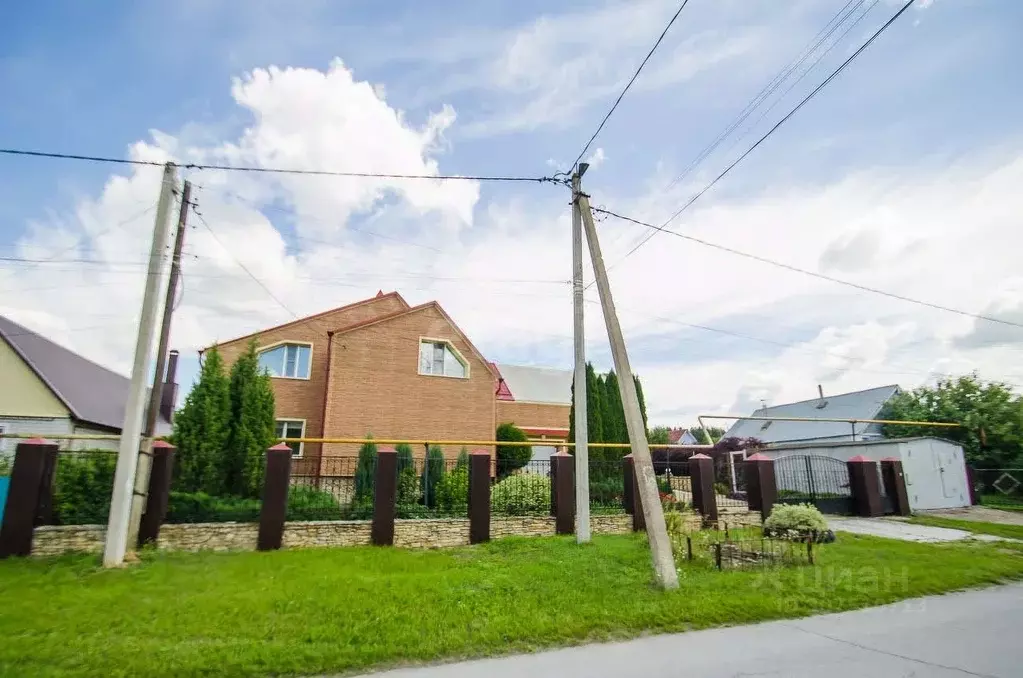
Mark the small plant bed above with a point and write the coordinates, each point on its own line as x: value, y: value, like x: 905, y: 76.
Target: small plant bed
x: 798, y: 522
x: 739, y: 550
x: 976, y: 527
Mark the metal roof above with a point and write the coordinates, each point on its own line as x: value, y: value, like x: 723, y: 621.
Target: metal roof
x: 538, y: 384
x: 856, y: 405
x: 781, y: 447
x: 93, y: 394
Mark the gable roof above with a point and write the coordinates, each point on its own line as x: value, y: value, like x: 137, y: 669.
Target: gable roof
x: 415, y: 309
x: 538, y: 384
x: 856, y: 405
x: 379, y: 295
x: 92, y: 393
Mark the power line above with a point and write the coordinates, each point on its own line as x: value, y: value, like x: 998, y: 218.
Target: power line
x: 629, y: 84
x: 242, y: 266
x: 796, y: 269
x: 278, y: 170
x: 771, y: 87
x: 771, y: 131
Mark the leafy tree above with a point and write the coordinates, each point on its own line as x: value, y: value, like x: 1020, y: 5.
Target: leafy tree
x: 715, y: 432
x: 511, y: 457
x: 365, y: 471
x: 202, y: 429
x: 990, y: 414
x: 252, y: 426
x: 433, y: 471
x: 659, y: 435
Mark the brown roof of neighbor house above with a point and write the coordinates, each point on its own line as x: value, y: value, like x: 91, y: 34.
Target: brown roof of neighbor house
x: 379, y: 295
x: 92, y: 393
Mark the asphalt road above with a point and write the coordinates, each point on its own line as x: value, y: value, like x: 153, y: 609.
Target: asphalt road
x: 976, y: 633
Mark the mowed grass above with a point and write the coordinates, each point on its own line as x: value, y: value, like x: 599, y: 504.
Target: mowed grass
x: 976, y: 527
x: 316, y: 611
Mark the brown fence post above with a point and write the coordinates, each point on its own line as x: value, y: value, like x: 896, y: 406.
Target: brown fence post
x: 563, y: 480
x: 32, y: 458
x: 158, y: 492
x: 970, y: 473
x: 274, y: 510
x: 761, y: 486
x: 863, y: 484
x: 479, y: 496
x: 385, y: 489
x: 895, y: 485
x: 701, y: 473
x: 630, y: 496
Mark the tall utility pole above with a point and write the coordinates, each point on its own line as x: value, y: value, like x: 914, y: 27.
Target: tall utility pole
x: 582, y: 451
x: 653, y: 512
x: 131, y: 429
x: 139, y: 498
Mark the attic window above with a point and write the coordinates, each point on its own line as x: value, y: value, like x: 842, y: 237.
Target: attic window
x: 821, y: 405
x: 439, y: 358
x: 766, y: 425
x: 286, y: 360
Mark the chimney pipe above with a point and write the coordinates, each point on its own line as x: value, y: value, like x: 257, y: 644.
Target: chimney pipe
x: 169, y: 394
x: 820, y: 391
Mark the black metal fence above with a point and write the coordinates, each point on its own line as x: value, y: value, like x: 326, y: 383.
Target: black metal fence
x: 521, y: 490
x: 999, y: 487
x: 730, y: 481
x: 741, y: 549
x: 821, y: 481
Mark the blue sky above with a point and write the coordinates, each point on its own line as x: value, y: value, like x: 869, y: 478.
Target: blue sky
x: 904, y: 165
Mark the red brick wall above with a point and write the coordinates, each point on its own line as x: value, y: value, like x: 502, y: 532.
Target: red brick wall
x: 303, y: 398
x: 375, y: 387
x: 535, y: 415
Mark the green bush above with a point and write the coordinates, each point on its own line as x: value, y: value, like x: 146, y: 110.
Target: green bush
x: 408, y: 482
x: 463, y: 459
x: 365, y: 471
x: 5, y: 466
x: 199, y: 507
x: 433, y: 471
x: 795, y: 520
x: 453, y: 491
x: 304, y: 503
x: 82, y: 487
x: 607, y: 491
x: 511, y: 457
x: 523, y: 494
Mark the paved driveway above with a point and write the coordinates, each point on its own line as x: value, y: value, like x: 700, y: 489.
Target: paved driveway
x: 961, y: 634
x: 984, y: 514
x: 897, y: 529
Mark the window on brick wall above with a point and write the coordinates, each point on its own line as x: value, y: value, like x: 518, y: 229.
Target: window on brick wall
x: 440, y: 359
x: 286, y: 360
x: 291, y: 428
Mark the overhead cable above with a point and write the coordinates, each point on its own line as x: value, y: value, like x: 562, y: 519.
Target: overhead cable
x: 796, y: 269
x: 278, y: 170
x: 629, y: 84
x: 777, y: 125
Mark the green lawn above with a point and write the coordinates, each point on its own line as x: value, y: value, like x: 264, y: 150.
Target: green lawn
x: 997, y: 529
x: 1000, y: 501
x: 321, y: 611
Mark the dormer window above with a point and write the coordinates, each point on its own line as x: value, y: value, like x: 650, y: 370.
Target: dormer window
x: 439, y: 358
x: 286, y: 360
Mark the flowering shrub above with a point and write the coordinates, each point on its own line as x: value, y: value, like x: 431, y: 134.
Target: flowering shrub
x: 796, y: 521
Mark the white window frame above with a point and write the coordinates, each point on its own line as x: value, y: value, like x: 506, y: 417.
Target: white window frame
x: 454, y: 350
x: 288, y: 342
x: 292, y: 420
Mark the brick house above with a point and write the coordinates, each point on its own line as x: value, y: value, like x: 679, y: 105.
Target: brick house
x: 396, y: 371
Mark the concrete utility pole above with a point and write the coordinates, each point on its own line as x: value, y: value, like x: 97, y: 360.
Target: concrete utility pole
x: 138, y: 503
x: 131, y: 430
x: 582, y: 451
x: 653, y: 512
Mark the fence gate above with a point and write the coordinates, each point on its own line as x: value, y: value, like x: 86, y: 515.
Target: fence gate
x: 817, y: 480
